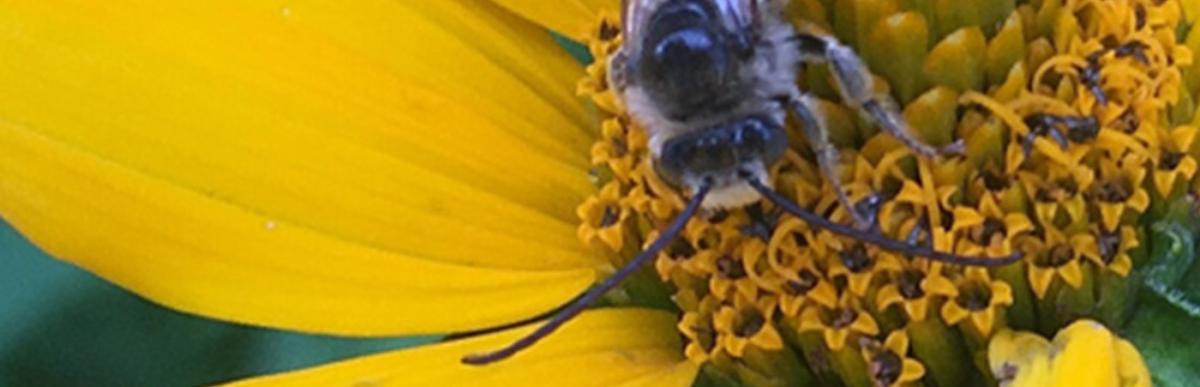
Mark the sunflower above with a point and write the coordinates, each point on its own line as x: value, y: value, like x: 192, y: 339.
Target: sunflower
x: 392, y: 168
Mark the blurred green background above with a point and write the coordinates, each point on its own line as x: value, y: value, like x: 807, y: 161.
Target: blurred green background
x: 62, y: 326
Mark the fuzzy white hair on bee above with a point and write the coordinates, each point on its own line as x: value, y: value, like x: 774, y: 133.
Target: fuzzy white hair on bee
x: 712, y: 82
x: 702, y: 78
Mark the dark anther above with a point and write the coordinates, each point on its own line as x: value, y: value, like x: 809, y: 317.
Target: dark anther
x: 1057, y: 256
x: 680, y: 249
x: 1082, y: 129
x: 610, y: 217
x: 620, y: 148
x: 762, y: 225
x: 1109, y: 42
x: 710, y: 239
x: 948, y: 220
x: 993, y: 181
x: 1044, y: 194
x: 856, y: 258
x: 992, y: 228
x: 1135, y: 49
x: 1128, y: 122
x: 1061, y: 189
x: 753, y: 323
x: 1110, y: 191
x: 1109, y: 245
x: 843, y: 317
x: 909, y: 283
x: 1139, y: 12
x: 886, y: 368
x: 705, y: 336
x: 1090, y: 76
x: 975, y: 296
x: 1078, y: 129
x: 1170, y: 160
x: 730, y: 268
x: 608, y: 31
x: 807, y: 282
x: 800, y: 239
x: 1069, y: 186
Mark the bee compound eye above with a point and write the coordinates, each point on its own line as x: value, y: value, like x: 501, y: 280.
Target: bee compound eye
x: 751, y: 135
x: 676, y: 156
x: 760, y: 138
x: 680, y: 150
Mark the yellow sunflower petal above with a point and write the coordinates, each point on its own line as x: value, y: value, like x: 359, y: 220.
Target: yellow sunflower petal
x: 620, y: 346
x: 965, y: 217
x: 1085, y: 347
x: 1121, y: 265
x: 911, y: 371
x: 1001, y: 293
x: 1072, y: 274
x: 888, y: 295
x: 917, y: 309
x: 316, y: 166
x: 1040, y: 279
x: 1017, y: 223
x: 910, y: 192
x: 1139, y: 201
x: 864, y: 324
x: 768, y: 338
x: 1130, y: 366
x: 1110, y: 213
x: 983, y: 320
x: 1020, y: 357
x: 952, y: 313
x: 573, y: 18
x: 835, y: 339
x: 937, y: 284
x: 897, y: 342
x: 200, y: 255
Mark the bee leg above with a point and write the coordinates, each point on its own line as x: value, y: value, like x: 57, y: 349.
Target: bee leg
x: 857, y: 88
x: 804, y: 106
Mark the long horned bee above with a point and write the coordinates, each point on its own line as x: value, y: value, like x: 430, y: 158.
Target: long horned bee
x: 712, y: 82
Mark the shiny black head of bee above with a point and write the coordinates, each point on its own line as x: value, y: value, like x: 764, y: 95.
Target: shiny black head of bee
x: 691, y: 60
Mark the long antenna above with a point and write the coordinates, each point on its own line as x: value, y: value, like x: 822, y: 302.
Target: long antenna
x: 575, y: 307
x: 875, y: 238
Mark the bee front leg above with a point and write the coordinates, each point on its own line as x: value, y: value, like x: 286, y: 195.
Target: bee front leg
x: 857, y: 88
x: 805, y: 107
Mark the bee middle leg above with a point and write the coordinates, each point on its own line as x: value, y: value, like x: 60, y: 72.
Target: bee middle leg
x: 805, y: 108
x: 857, y: 88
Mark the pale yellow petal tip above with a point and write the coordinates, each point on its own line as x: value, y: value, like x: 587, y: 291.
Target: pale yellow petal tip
x: 1082, y: 354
